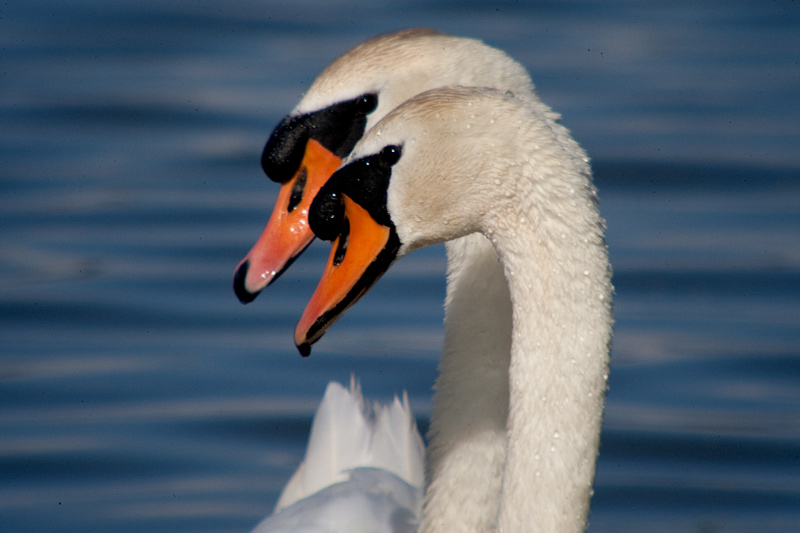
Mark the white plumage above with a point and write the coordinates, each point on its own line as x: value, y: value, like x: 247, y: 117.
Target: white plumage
x: 482, y: 169
x: 362, y: 472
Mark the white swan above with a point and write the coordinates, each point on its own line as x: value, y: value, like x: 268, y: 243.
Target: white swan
x: 350, y: 96
x: 362, y: 472
x: 302, y: 153
x: 455, y: 161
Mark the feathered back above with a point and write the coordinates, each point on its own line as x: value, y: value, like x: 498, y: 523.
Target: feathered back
x: 348, y: 434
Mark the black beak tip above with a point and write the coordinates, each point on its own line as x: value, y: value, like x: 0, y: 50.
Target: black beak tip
x: 304, y: 349
x: 239, y: 288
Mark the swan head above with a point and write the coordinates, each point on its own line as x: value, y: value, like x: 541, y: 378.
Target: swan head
x: 350, y: 96
x: 417, y: 178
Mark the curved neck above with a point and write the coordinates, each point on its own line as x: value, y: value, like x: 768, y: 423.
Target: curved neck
x: 557, y: 268
x: 532, y: 197
x: 468, y: 423
x: 533, y: 463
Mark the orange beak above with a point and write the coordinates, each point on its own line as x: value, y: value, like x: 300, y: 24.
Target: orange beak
x: 359, y: 257
x: 287, y: 233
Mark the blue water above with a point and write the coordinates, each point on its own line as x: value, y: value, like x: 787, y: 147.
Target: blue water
x: 137, y: 394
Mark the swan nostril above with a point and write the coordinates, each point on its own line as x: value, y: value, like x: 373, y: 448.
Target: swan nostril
x: 239, y: 287
x: 297, y: 189
x: 341, y: 248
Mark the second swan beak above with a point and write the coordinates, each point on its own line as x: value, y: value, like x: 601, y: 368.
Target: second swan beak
x: 361, y: 253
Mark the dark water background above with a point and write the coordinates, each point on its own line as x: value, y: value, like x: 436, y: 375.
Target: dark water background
x: 137, y: 394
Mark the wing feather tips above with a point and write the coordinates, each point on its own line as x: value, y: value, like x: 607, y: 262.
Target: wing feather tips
x: 347, y: 433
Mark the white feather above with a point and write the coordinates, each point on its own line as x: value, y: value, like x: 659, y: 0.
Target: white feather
x: 362, y: 472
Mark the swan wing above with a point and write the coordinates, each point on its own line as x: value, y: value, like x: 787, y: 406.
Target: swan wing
x: 372, y: 500
x: 363, y: 469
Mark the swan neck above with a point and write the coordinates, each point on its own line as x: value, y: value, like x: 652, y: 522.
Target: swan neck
x: 559, y: 281
x: 467, y: 448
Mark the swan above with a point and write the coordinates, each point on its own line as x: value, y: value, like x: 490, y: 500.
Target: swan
x: 349, y: 97
x: 468, y: 419
x: 362, y: 472
x: 454, y: 161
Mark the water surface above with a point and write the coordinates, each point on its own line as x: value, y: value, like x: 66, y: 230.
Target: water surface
x: 137, y: 394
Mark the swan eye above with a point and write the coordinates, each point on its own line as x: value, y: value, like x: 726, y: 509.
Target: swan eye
x: 390, y: 155
x: 366, y: 103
